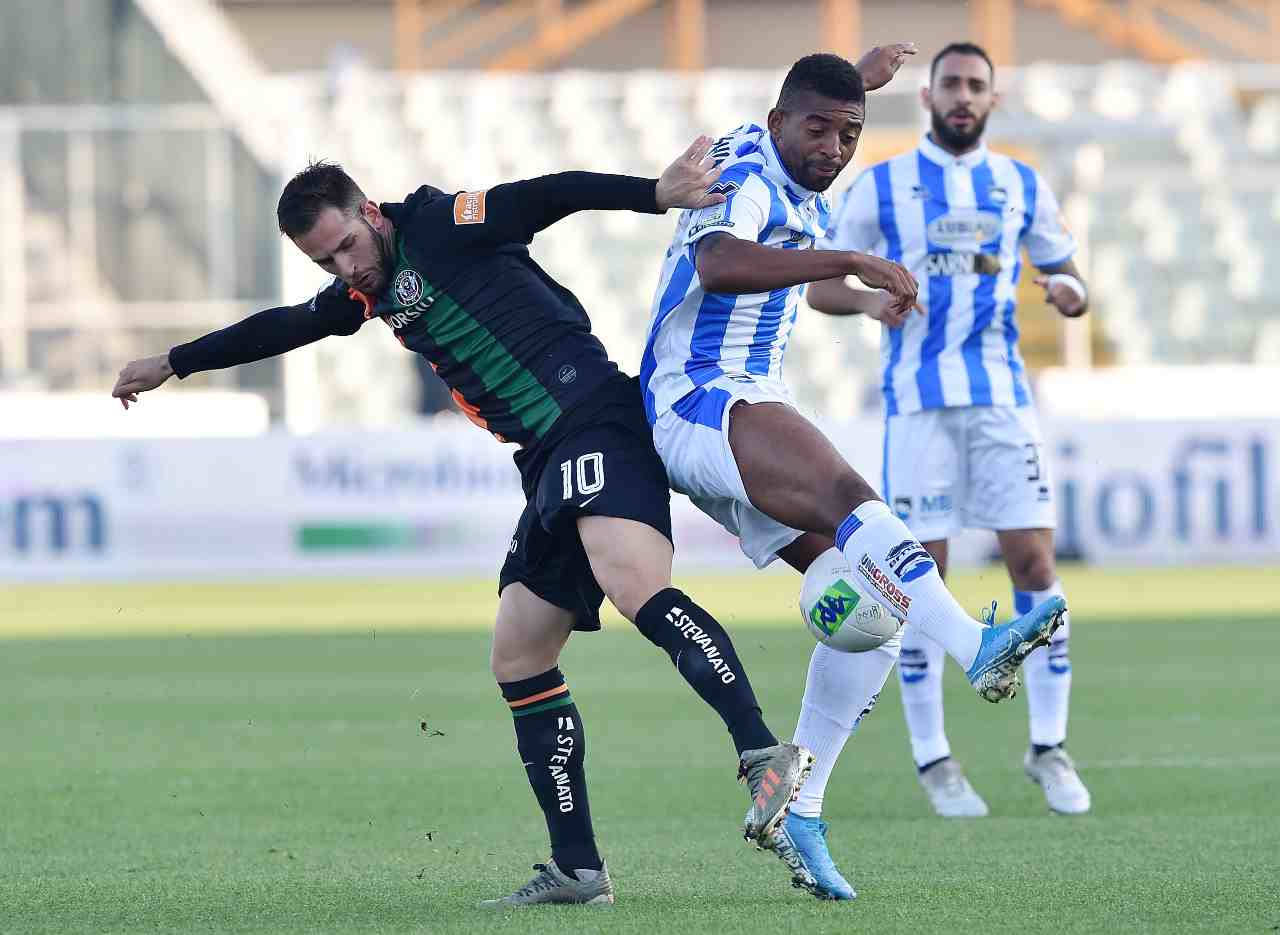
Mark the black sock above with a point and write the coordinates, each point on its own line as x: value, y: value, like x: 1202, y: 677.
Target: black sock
x: 553, y: 748
x: 1039, y: 748
x: 704, y: 655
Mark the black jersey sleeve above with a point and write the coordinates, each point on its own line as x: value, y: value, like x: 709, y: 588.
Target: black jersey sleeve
x: 514, y: 211
x: 333, y: 310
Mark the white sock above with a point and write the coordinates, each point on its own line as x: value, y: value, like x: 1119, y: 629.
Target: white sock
x: 1047, y: 673
x: 898, y: 572
x: 840, y: 690
x: 920, y: 673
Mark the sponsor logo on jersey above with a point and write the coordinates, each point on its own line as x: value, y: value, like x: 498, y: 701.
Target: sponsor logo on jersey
x: 719, y: 219
x: 998, y: 195
x: 961, y: 264
x: 885, y: 586
x: 397, y: 320
x: 919, y: 193
x: 696, y: 635
x: 964, y: 227
x: 468, y: 208
x: 408, y: 287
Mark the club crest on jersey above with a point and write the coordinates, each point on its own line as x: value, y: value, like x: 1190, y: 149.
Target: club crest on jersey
x: 408, y: 287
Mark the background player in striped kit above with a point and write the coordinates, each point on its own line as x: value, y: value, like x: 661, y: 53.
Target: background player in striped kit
x: 962, y: 445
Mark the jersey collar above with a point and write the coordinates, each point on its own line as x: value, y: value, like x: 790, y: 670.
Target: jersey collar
x: 939, y: 156
x: 776, y: 169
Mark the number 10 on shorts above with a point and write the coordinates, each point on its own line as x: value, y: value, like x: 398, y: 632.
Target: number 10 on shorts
x: 589, y: 471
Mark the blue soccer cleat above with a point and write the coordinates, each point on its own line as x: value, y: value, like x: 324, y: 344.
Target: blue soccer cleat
x: 995, y: 672
x: 801, y: 843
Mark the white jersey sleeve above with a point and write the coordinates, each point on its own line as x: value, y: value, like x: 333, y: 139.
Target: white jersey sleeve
x: 856, y: 223
x: 744, y: 214
x: 1047, y: 239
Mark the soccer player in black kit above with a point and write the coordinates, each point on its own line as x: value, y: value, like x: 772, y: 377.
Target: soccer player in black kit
x: 451, y: 275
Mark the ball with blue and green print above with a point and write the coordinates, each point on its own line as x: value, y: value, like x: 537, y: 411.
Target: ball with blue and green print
x: 837, y: 613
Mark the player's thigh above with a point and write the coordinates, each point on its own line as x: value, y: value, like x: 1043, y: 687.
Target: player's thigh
x: 1009, y: 486
x: 528, y: 635
x: 607, y: 489
x: 631, y: 560
x: 923, y: 472
x: 791, y: 471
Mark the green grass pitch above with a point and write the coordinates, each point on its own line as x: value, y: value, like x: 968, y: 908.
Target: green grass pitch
x: 251, y: 758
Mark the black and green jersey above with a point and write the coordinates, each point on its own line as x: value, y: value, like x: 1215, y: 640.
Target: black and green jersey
x: 513, y: 345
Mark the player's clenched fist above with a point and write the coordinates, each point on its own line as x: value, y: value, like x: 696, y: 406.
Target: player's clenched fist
x: 685, y: 182
x: 138, y: 376
x: 892, y: 277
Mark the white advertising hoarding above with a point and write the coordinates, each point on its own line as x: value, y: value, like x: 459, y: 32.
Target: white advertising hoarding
x: 445, y: 499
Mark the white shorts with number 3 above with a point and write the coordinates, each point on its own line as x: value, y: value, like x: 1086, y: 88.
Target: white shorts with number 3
x: 977, y: 467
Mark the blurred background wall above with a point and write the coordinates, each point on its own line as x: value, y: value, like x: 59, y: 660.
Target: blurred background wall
x: 143, y: 144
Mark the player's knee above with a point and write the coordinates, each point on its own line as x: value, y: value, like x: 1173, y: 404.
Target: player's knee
x: 1033, y: 570
x: 851, y: 491
x: 628, y: 590
x: 512, y: 659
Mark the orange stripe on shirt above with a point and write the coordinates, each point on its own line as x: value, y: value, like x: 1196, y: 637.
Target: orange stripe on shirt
x: 540, y: 696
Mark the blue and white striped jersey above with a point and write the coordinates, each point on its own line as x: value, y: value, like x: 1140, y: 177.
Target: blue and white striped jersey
x: 696, y: 336
x: 957, y: 223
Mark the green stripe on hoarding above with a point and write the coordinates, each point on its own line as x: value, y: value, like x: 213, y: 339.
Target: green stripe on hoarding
x: 327, y: 537
x: 545, y: 706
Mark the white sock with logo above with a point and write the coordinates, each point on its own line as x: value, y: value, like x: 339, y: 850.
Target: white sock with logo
x: 1047, y: 673
x: 920, y: 675
x: 895, y: 570
x: 840, y: 690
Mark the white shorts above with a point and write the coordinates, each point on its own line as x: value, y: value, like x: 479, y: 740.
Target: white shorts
x: 692, y: 439
x: 978, y: 467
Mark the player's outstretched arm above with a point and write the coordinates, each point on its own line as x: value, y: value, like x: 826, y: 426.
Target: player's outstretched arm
x: 878, y: 66
x: 266, y: 334
x: 1064, y: 288
x: 734, y: 266
x: 514, y: 211
x: 837, y: 297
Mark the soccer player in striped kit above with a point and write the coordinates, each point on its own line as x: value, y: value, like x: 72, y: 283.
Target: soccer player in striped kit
x: 732, y: 438
x: 962, y: 444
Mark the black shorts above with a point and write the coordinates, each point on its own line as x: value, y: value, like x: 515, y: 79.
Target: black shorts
x: 602, y: 463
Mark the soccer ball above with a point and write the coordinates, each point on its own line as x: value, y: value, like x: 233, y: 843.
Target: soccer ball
x: 837, y: 614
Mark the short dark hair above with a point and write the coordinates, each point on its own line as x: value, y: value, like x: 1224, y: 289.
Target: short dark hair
x: 825, y: 74
x: 961, y: 48
x: 320, y: 185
